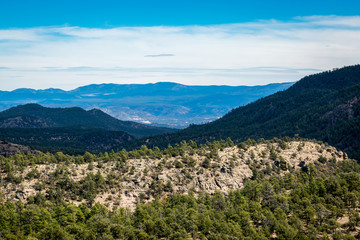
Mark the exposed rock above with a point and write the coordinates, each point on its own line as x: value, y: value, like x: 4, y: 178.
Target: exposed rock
x: 342, y: 111
x: 7, y: 149
x: 20, y: 195
x: 228, y: 170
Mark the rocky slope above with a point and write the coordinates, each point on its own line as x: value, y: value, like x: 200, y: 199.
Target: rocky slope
x: 126, y: 178
x: 7, y: 149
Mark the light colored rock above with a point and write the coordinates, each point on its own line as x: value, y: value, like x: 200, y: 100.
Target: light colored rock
x: 226, y: 172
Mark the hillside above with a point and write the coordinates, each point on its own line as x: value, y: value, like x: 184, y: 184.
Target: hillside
x: 37, y: 116
x: 293, y: 189
x: 164, y: 103
x: 146, y: 174
x: 323, y: 106
x: 66, y: 139
x: 70, y: 130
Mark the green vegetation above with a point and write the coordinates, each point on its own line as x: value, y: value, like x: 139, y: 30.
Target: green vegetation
x: 70, y: 130
x: 59, y: 187
x: 305, y: 205
x: 67, y: 140
x: 310, y: 203
x: 37, y: 116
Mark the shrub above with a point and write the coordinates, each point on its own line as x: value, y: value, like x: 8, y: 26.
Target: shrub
x: 322, y: 159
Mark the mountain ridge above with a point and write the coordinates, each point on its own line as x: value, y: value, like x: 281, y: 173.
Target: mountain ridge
x: 161, y: 104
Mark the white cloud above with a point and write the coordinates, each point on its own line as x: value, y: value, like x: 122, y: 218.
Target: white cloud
x: 235, y: 54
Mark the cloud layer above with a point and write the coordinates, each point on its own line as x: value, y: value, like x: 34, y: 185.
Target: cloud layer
x: 234, y: 54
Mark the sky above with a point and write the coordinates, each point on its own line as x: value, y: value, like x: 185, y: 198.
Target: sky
x: 66, y: 44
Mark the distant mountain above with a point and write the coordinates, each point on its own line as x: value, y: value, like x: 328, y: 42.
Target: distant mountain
x: 160, y: 104
x: 37, y: 116
x: 324, y: 106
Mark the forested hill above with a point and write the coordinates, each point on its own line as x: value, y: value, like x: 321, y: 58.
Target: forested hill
x: 37, y: 116
x: 324, y: 106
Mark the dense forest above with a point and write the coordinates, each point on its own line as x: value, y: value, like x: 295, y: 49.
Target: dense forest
x: 70, y: 130
x: 36, y: 116
x: 320, y: 200
x: 70, y: 140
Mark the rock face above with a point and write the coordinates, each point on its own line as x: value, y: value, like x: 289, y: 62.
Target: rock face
x: 8, y: 149
x: 197, y: 170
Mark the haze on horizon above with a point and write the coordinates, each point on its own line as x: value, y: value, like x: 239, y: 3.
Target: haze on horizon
x: 67, y: 45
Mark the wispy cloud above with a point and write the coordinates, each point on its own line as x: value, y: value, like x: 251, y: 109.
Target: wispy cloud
x: 236, y: 54
x: 160, y: 55
x: 332, y: 21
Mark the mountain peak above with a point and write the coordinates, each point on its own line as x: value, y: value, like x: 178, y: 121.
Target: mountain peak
x: 27, y: 107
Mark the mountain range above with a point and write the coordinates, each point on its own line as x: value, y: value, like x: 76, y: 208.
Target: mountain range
x: 161, y: 104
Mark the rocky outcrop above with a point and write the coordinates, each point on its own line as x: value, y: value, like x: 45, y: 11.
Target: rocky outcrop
x: 7, y: 149
x: 200, y: 170
x: 343, y: 111
x: 23, y: 122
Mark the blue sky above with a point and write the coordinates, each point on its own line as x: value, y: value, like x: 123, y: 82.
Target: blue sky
x: 66, y: 44
x: 112, y: 13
